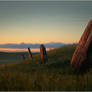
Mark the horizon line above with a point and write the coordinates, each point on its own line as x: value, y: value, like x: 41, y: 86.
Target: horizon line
x: 38, y: 43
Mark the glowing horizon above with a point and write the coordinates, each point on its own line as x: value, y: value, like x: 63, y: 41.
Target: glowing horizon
x: 22, y: 50
x: 2, y: 43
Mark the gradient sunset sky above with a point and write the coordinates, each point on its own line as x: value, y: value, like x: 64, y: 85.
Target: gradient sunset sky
x: 43, y: 22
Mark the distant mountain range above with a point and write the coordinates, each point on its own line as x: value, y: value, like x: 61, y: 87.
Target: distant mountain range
x: 24, y: 45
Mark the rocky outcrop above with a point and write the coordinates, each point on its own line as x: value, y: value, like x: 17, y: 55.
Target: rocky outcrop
x: 79, y: 60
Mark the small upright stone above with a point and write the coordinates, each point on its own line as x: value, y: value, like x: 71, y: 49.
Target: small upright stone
x: 43, y: 54
x: 23, y: 57
x: 30, y: 54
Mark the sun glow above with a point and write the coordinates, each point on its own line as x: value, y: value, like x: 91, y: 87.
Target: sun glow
x: 22, y: 50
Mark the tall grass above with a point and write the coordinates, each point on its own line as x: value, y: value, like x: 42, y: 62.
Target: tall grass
x: 56, y: 75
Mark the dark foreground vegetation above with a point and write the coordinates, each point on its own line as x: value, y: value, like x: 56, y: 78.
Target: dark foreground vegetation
x: 56, y: 75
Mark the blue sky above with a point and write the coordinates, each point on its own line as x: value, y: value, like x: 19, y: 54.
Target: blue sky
x: 43, y: 22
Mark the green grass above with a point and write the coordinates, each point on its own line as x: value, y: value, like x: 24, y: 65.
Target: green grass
x: 56, y: 75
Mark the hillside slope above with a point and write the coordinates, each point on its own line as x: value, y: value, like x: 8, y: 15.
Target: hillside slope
x: 55, y: 75
x: 57, y: 58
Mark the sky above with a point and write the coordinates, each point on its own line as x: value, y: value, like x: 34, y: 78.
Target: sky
x: 45, y: 0
x: 43, y: 22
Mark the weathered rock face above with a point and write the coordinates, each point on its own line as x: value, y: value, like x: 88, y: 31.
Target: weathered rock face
x: 79, y: 59
x: 43, y: 54
x: 30, y: 54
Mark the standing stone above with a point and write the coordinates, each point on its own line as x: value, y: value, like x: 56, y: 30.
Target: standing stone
x: 23, y: 57
x: 80, y: 57
x: 43, y: 54
x: 30, y: 54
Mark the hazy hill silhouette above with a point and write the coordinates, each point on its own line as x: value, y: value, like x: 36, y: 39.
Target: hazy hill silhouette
x: 24, y: 45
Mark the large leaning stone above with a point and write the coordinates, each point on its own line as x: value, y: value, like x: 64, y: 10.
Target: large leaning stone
x: 79, y: 58
x: 43, y: 54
